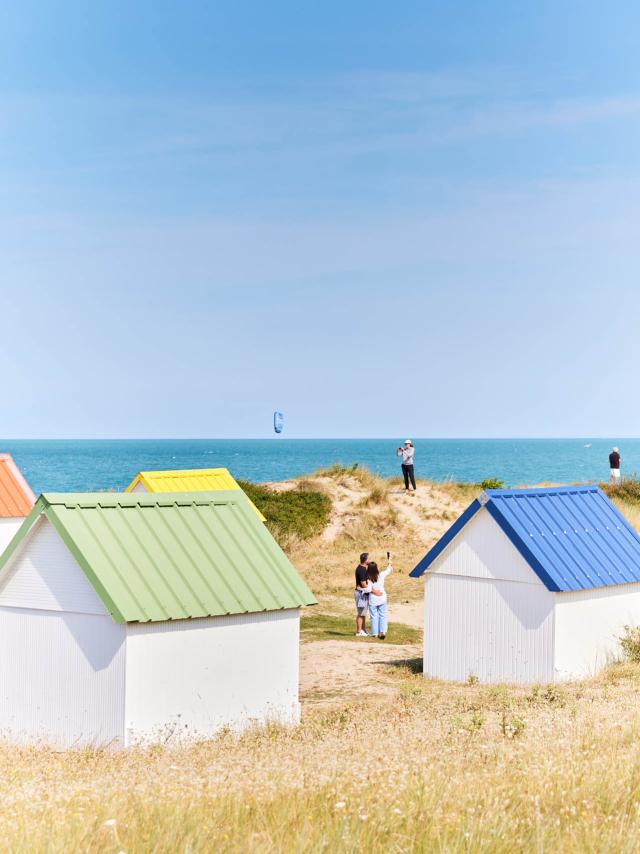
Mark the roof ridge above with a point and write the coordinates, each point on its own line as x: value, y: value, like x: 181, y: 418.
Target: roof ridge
x: 543, y: 490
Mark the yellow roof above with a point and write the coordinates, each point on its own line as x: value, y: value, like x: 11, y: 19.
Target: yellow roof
x: 186, y: 480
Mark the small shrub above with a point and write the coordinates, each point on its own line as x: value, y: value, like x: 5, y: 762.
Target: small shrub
x: 511, y: 725
x: 297, y: 513
x: 630, y: 643
x: 491, y: 483
x: 551, y: 694
x: 472, y: 679
x: 476, y: 720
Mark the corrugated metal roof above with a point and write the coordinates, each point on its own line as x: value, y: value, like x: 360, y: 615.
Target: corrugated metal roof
x: 573, y: 537
x: 187, y: 480
x: 172, y: 555
x: 16, y: 497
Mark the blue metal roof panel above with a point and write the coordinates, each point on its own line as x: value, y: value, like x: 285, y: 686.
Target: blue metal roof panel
x: 574, y: 534
x: 573, y: 537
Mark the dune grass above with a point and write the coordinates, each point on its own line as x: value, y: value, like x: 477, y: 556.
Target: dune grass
x: 444, y: 768
x: 315, y: 626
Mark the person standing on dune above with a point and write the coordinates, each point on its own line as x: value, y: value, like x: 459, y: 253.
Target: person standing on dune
x: 407, y: 464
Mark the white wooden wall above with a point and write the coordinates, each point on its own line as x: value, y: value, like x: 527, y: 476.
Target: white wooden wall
x: 588, y: 626
x: 62, y: 663
x: 487, y: 614
x: 189, y: 678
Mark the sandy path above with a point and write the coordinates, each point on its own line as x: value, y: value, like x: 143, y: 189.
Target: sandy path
x: 335, y: 671
x: 409, y: 613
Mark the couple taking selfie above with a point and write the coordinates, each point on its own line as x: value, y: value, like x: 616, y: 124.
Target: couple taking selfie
x: 371, y: 597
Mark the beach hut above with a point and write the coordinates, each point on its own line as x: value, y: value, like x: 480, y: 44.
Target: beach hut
x: 186, y: 480
x: 530, y: 585
x: 135, y: 618
x: 16, y: 499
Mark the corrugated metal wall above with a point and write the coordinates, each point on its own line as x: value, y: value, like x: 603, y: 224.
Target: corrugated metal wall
x: 61, y: 678
x: 486, y: 612
x: 588, y: 626
x: 499, y: 631
x: 62, y: 664
x: 189, y: 678
x: 481, y: 550
x: 44, y: 575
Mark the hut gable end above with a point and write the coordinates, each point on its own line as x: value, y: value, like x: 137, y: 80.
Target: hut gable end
x: 482, y: 550
x: 43, y: 575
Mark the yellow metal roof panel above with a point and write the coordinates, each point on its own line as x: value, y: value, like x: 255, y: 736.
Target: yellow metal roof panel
x: 187, y: 480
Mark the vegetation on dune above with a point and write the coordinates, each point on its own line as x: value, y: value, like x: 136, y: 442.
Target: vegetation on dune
x: 627, y: 490
x: 315, y: 626
x: 298, y: 513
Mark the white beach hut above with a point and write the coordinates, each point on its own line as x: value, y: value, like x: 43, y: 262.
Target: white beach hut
x: 530, y: 585
x: 131, y: 618
x: 16, y: 499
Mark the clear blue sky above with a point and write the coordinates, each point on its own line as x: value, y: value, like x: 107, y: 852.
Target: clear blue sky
x: 384, y: 219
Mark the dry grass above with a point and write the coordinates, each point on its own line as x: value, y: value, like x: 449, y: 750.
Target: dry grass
x: 433, y: 767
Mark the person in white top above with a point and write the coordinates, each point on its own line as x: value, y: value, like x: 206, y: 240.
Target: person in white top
x: 407, y: 464
x: 377, y: 599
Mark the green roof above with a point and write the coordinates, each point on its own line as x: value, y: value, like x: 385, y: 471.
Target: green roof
x: 172, y: 556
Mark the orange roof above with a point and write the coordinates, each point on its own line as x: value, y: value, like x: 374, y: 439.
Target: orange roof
x: 16, y: 497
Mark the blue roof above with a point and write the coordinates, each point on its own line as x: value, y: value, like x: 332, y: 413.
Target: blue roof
x: 572, y: 537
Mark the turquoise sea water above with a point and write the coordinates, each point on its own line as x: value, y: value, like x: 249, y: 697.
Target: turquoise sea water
x: 67, y: 465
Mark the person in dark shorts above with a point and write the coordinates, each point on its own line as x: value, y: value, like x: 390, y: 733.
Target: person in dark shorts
x: 614, y: 465
x: 361, y: 596
x: 407, y: 464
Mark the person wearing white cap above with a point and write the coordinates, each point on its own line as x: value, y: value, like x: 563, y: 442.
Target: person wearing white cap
x: 614, y: 465
x: 407, y: 464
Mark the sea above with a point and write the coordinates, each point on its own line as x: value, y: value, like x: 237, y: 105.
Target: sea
x: 110, y: 464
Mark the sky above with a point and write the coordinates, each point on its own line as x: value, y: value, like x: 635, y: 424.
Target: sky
x: 385, y: 220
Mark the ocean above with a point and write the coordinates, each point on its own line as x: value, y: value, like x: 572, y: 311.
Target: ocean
x: 88, y: 465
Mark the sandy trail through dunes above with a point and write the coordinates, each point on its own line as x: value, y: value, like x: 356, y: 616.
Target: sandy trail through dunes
x: 335, y: 671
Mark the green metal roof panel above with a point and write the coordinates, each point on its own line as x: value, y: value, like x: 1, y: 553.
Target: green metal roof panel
x: 168, y: 556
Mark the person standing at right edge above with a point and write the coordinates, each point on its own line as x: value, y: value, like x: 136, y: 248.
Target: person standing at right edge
x: 614, y: 465
x: 407, y: 464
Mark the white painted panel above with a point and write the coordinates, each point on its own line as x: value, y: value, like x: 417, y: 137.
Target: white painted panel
x: 482, y: 550
x: 189, y: 678
x: 139, y: 487
x: 499, y: 631
x: 588, y: 625
x: 8, y: 528
x: 44, y: 575
x: 61, y: 678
